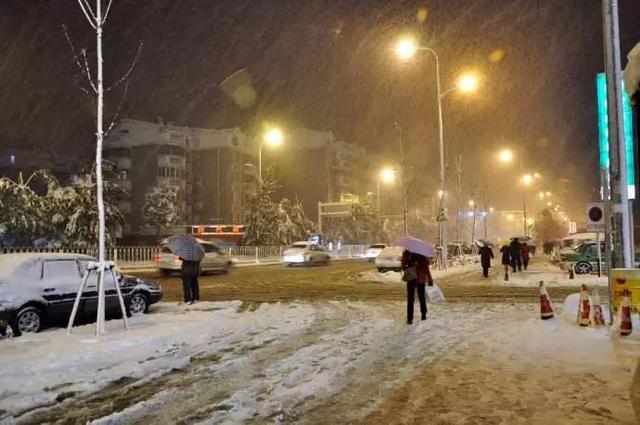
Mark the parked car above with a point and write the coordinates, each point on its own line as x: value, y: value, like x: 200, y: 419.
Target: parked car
x: 38, y: 289
x: 568, y: 245
x: 372, y: 252
x: 305, y: 253
x: 215, y: 259
x: 389, y: 259
x: 584, y: 259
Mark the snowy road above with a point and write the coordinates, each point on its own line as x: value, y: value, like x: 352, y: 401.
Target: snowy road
x: 343, y: 280
x: 323, y: 361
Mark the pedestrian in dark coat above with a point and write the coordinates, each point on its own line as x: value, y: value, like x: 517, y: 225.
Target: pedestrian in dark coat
x: 190, y: 287
x: 506, y: 259
x: 411, y: 259
x: 516, y: 259
x: 525, y: 250
x: 486, y: 254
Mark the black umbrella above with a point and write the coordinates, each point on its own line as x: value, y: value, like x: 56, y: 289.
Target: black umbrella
x: 185, y: 247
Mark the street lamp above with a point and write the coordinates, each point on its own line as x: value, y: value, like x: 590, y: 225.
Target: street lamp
x: 506, y: 157
x: 405, y: 49
x: 272, y: 137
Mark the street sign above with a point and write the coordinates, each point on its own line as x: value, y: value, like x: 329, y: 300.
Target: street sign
x: 595, y: 217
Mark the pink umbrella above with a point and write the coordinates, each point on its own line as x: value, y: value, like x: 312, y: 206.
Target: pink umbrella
x: 416, y: 245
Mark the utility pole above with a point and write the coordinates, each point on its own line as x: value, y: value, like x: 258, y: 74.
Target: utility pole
x: 459, y: 170
x: 405, y: 229
x: 618, y: 225
x: 484, y: 209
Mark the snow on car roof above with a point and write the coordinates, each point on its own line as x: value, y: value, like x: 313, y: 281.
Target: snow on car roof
x: 10, y: 262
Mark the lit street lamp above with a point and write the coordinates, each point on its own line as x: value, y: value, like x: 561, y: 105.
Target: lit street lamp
x: 406, y: 49
x: 387, y: 176
x: 273, y: 137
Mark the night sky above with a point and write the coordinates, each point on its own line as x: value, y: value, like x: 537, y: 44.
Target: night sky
x: 327, y: 65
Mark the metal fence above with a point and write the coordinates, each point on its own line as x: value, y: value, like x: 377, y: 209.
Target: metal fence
x: 144, y: 256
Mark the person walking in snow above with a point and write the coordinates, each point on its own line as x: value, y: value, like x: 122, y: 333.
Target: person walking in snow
x: 516, y: 259
x: 190, y: 286
x: 416, y: 270
x: 486, y: 254
x: 506, y: 259
x: 525, y: 251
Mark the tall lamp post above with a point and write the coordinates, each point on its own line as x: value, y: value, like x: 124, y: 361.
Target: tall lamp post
x: 506, y: 156
x: 272, y: 137
x: 406, y: 49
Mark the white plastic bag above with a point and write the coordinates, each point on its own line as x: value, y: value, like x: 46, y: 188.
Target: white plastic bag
x: 435, y: 294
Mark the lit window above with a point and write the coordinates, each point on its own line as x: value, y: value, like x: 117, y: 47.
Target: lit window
x: 12, y: 159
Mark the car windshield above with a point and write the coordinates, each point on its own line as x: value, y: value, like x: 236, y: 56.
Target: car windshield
x: 378, y: 246
x: 165, y: 250
x: 299, y: 245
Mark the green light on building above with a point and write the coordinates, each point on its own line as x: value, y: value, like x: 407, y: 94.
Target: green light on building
x: 603, y: 126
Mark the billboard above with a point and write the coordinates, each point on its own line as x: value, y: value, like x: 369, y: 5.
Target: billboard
x: 603, y: 127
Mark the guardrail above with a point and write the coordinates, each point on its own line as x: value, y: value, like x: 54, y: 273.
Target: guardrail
x: 143, y: 256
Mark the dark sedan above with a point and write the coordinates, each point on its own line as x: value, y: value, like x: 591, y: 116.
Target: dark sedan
x: 38, y: 289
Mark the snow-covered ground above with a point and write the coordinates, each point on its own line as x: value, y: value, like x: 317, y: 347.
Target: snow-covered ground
x: 312, y: 363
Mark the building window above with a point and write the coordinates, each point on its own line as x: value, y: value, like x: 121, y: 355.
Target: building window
x: 12, y: 159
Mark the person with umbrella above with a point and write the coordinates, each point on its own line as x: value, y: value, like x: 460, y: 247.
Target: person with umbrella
x: 416, y: 273
x: 190, y: 252
x: 486, y: 254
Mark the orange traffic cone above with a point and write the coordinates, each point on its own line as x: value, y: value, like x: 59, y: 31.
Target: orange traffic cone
x: 625, y: 314
x: 585, y: 307
x: 598, y: 316
x: 546, y: 309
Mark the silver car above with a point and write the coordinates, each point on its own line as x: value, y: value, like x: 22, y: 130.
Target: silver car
x: 305, y: 253
x: 389, y: 259
x: 215, y: 259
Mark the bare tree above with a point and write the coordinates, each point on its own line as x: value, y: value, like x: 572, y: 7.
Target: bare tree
x: 97, y: 19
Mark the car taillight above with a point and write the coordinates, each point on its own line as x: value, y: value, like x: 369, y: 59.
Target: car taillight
x: 156, y: 258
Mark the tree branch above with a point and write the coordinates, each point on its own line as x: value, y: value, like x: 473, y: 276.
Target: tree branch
x: 88, y: 13
x: 114, y: 120
x: 126, y: 75
x: 83, y: 70
x: 106, y: 13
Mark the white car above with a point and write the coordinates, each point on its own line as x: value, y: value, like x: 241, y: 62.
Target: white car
x: 305, y: 253
x: 389, y: 259
x: 372, y: 252
x: 215, y: 259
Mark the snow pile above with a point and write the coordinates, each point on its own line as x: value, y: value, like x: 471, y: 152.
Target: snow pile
x: 550, y: 274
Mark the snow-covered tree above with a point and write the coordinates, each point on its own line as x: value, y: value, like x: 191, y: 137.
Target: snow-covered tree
x: 160, y: 208
x: 76, y: 215
x: 264, y: 226
x: 298, y: 225
x: 362, y: 227
x: 26, y: 208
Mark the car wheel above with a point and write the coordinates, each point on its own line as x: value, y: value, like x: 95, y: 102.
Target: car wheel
x: 583, y: 268
x: 138, y: 304
x: 165, y: 272
x: 382, y: 270
x: 28, y: 319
